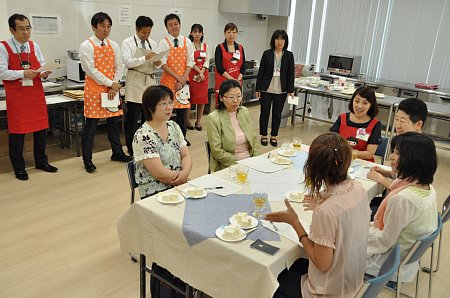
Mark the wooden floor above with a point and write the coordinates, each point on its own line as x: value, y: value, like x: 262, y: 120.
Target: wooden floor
x: 58, y: 235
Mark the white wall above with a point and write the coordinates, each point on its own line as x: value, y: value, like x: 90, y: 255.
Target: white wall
x: 76, y: 15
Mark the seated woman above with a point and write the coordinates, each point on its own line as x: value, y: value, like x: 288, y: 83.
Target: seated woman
x: 409, y: 211
x: 231, y: 135
x: 360, y: 127
x: 161, y: 157
x: 336, y: 244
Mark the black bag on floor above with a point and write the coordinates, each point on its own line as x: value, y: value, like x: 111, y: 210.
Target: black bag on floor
x: 160, y: 289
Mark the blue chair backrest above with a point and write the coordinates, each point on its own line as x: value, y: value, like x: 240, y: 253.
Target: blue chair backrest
x: 381, y: 149
x: 130, y: 172
x: 387, y: 270
x: 422, y: 245
x: 446, y: 210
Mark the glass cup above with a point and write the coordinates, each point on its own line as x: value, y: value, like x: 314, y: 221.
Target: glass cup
x: 285, y: 144
x: 297, y: 143
x: 232, y: 170
x: 260, y: 201
x: 354, y: 154
x: 242, y: 174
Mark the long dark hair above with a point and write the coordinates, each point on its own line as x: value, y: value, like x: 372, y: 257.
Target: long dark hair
x: 328, y: 161
x: 199, y: 28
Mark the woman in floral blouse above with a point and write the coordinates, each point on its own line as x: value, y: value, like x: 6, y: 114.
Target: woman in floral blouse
x: 161, y: 156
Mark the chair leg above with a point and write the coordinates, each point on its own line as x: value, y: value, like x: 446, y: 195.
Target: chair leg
x: 142, y: 275
x: 438, y: 252
x: 397, y: 291
x: 417, y: 282
x: 431, y: 273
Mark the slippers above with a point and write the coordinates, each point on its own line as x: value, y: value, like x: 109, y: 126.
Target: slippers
x: 198, y: 127
x: 273, y: 142
x: 264, y: 141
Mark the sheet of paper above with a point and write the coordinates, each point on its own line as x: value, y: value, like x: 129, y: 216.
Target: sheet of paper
x: 50, y: 85
x: 213, y: 181
x: 292, y: 100
x: 262, y: 164
x: 106, y: 103
x: 50, y: 66
x: 158, y: 56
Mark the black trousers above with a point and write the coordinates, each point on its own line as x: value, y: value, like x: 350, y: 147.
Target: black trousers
x: 87, y: 140
x: 181, y: 120
x: 268, y: 100
x: 289, y: 280
x: 133, y: 115
x: 16, y: 142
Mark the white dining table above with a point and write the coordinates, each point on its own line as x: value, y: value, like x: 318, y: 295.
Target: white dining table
x: 217, y: 268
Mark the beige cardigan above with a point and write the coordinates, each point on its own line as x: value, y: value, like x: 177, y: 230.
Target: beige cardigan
x: 222, y: 138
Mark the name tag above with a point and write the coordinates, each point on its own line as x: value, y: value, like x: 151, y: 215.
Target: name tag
x: 362, y: 134
x: 237, y: 55
x: 276, y: 73
x: 202, y: 54
x: 27, y: 82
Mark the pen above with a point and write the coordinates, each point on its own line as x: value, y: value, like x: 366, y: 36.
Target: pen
x: 274, y: 226
x: 215, y: 187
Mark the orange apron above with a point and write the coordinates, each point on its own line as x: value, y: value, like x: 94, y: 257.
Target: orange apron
x: 177, y: 61
x: 104, y: 62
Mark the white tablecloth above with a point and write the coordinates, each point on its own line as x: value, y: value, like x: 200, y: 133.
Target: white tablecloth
x: 218, y: 268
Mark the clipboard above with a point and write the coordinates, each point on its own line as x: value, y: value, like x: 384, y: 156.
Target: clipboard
x: 50, y: 66
x: 158, y: 56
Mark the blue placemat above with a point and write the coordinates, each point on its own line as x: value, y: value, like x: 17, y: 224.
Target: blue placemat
x: 203, y: 216
x: 299, y: 160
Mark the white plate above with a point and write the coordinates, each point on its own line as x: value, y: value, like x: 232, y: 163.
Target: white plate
x: 253, y: 224
x: 287, y: 153
x: 348, y: 91
x: 204, y: 194
x: 279, y: 160
x: 219, y: 234
x: 288, y: 196
x: 180, y: 199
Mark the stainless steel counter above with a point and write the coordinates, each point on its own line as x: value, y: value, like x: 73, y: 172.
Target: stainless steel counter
x: 441, y: 92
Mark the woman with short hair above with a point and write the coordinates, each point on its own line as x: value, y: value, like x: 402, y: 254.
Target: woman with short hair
x: 230, y: 130
x: 409, y: 211
x: 161, y: 156
x: 360, y: 127
x: 275, y: 81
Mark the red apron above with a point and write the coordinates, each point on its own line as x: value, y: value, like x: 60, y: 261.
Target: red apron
x: 199, y: 90
x: 356, y: 135
x: 26, y: 106
x: 177, y: 61
x: 233, y: 68
x: 104, y: 62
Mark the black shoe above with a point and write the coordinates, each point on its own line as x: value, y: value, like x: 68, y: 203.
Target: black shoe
x: 264, y: 141
x: 189, y: 126
x: 21, y: 175
x: 122, y: 158
x: 273, y: 142
x: 89, y: 166
x: 47, y: 168
x: 188, y: 143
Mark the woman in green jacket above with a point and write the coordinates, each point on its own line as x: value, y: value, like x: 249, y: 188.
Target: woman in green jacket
x: 230, y: 130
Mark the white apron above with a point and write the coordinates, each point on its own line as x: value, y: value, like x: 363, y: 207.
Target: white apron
x: 139, y: 78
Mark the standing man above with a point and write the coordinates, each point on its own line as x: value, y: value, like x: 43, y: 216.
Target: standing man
x: 136, y: 51
x: 27, y: 110
x: 101, y: 61
x: 176, y: 65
